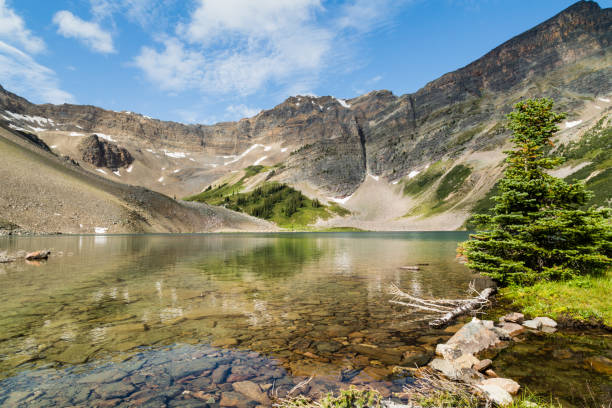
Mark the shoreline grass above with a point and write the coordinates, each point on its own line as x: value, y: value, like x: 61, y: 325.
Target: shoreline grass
x: 584, y: 299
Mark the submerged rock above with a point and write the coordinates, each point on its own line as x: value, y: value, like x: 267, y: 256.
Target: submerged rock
x: 251, y: 390
x: 44, y: 254
x: 600, y: 364
x: 224, y: 342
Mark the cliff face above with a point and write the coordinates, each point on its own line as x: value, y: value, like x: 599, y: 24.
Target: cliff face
x: 337, y: 143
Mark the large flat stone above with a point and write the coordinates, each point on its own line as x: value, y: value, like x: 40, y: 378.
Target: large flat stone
x: 459, y: 369
x: 472, y: 338
x: 512, y: 329
x: 533, y: 324
x: 546, y: 321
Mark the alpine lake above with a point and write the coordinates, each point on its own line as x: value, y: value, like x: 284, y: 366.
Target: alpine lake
x: 179, y: 320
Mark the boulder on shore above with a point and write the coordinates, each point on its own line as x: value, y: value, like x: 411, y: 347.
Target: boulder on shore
x: 508, y: 385
x: 513, y: 318
x: 497, y: 394
x: 533, y: 324
x: 474, y: 337
x: 546, y: 321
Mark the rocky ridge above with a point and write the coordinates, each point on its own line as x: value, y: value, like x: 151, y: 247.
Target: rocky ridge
x: 329, y: 146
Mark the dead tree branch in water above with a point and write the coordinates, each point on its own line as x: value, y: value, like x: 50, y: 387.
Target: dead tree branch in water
x: 445, y: 309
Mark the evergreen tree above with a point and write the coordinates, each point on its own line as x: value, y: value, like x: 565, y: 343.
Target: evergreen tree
x: 539, y: 229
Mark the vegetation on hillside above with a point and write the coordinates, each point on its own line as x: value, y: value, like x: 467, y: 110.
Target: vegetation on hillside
x: 449, y: 183
x: 425, y: 179
x: 595, y: 146
x: 539, y: 230
x: 276, y: 202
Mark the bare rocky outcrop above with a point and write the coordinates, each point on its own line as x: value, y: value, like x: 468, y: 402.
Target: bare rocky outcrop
x: 102, y: 153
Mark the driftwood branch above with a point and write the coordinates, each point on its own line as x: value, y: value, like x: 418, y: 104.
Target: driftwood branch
x: 445, y: 309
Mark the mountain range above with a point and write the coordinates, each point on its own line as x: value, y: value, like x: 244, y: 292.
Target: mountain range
x: 420, y: 161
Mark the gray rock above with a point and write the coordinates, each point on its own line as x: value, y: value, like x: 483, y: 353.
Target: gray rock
x: 105, y: 376
x: 251, y: 390
x: 220, y: 374
x: 513, y: 317
x: 115, y: 390
x: 183, y: 369
x: 533, y: 324
x: 512, y: 329
x: 459, y: 369
x: 546, y: 321
x: 472, y: 338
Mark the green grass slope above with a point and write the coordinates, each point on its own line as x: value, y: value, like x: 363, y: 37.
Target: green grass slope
x: 272, y: 201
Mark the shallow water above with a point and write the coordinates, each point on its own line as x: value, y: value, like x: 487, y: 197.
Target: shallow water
x: 572, y: 368
x: 275, y: 308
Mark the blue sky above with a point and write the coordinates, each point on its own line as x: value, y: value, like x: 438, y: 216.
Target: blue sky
x: 206, y: 61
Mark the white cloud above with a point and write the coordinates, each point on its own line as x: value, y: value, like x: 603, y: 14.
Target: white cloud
x: 14, y: 31
x: 214, y: 19
x: 363, y: 15
x: 241, y: 111
x: 146, y: 13
x: 239, y: 47
x: 89, y: 33
x: 21, y: 74
x: 173, y: 69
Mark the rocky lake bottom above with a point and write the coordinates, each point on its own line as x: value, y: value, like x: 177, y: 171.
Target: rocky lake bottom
x: 227, y: 319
